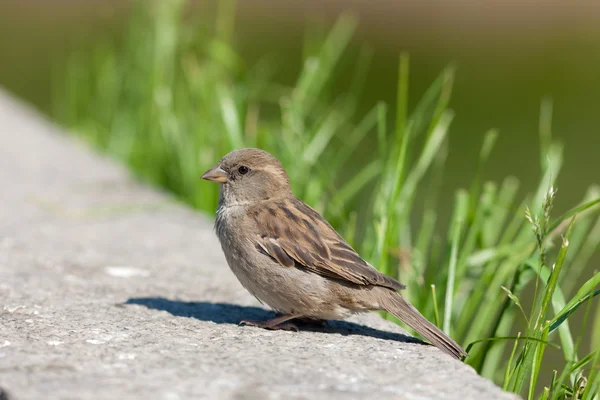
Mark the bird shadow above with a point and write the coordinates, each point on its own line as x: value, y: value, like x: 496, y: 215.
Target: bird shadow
x: 225, y: 313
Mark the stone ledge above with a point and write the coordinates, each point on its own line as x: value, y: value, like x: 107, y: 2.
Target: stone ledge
x: 110, y: 289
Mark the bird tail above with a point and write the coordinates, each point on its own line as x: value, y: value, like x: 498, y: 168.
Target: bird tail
x: 395, y: 304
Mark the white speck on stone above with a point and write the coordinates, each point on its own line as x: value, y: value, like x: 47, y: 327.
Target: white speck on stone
x: 5, y: 344
x: 126, y: 356
x: 54, y: 342
x: 94, y: 341
x: 11, y: 310
x: 29, y: 321
x: 72, y: 279
x: 125, y: 271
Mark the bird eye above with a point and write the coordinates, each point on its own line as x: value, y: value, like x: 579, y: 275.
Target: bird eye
x: 243, y: 170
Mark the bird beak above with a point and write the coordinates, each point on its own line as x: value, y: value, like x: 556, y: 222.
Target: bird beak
x: 215, y: 174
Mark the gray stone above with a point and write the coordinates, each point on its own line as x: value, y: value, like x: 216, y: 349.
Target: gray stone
x: 110, y: 289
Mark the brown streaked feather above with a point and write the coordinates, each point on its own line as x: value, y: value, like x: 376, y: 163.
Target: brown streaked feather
x: 276, y: 252
x: 294, y: 234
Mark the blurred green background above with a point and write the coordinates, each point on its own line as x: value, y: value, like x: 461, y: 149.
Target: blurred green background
x: 509, y: 57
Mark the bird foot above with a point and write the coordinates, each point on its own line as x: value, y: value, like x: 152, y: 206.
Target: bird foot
x: 269, y: 324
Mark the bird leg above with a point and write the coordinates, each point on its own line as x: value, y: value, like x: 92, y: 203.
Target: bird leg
x: 279, y: 322
x: 307, y: 320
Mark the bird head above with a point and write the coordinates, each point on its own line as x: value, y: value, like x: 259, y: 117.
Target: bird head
x: 249, y: 175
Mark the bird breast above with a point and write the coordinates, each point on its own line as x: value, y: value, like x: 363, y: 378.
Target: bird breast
x: 282, y: 288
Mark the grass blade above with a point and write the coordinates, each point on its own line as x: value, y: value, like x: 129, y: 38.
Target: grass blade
x: 509, y: 366
x: 571, y: 213
x: 435, y: 306
x: 460, y: 214
x: 586, y: 292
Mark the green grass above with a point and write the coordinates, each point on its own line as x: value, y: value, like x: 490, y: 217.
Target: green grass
x: 171, y: 101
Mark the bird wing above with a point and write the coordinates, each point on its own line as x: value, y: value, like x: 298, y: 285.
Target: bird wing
x: 295, y: 235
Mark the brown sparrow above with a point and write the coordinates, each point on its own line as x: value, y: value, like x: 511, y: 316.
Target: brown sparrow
x: 290, y: 258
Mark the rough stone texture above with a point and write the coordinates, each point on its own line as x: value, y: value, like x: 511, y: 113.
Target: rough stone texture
x: 110, y: 289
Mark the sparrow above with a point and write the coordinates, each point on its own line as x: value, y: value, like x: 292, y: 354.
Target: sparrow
x: 291, y: 259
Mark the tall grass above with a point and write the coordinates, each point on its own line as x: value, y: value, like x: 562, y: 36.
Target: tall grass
x: 170, y: 102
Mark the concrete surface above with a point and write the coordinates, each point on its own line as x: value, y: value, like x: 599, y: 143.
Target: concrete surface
x: 110, y: 289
